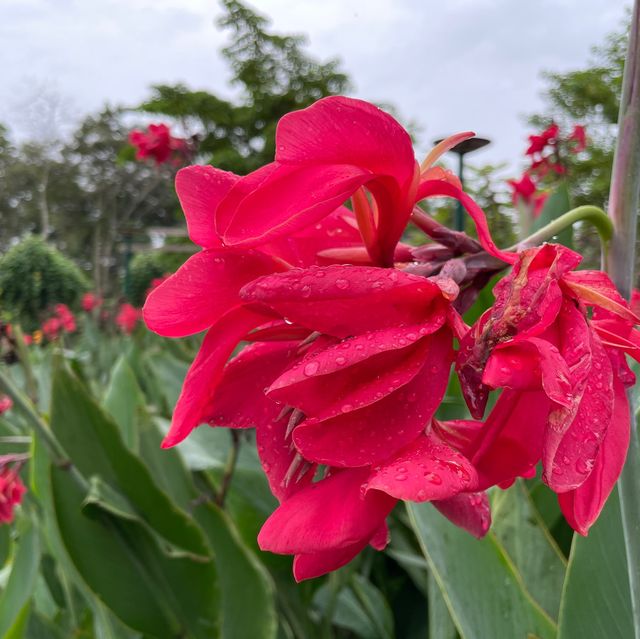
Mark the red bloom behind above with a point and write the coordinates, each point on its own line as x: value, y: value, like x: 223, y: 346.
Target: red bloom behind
x: 90, y: 301
x: 11, y: 487
x: 525, y: 194
x: 51, y: 328
x: 158, y: 144
x: 127, y: 318
x: 6, y: 403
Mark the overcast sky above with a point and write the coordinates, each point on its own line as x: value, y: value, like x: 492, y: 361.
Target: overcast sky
x: 448, y: 65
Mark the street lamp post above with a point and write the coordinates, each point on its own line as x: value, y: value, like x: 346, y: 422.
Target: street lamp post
x: 467, y: 146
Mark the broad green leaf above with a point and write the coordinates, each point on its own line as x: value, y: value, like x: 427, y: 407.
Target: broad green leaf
x: 441, y: 625
x: 484, y: 592
x: 243, y: 580
x: 93, y: 442
x: 596, y: 602
x: 122, y: 399
x: 15, y: 599
x: 121, y: 562
x: 529, y: 545
x: 558, y: 203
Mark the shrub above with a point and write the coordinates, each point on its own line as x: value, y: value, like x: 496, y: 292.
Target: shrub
x: 147, y: 266
x: 33, y: 277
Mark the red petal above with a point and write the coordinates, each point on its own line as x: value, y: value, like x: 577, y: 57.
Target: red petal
x: 206, y: 370
x: 374, y: 433
x: 200, y: 190
x: 345, y: 300
x: 240, y: 400
x: 339, y: 130
x: 288, y: 200
x: 330, y: 514
x: 528, y: 364
x: 425, y: 470
x: 432, y: 188
x: 202, y: 290
x: 582, y: 506
x: 470, y: 511
x: 357, y: 371
x: 512, y: 441
x: 317, y: 564
x: 571, y: 453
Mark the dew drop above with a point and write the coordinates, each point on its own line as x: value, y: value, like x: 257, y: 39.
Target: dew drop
x: 311, y: 368
x: 342, y: 283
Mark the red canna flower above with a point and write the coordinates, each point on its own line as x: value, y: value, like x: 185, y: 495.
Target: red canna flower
x: 6, y: 403
x: 158, y: 144
x: 565, y: 377
x: 90, y: 301
x: 525, y: 193
x: 539, y: 143
x: 11, y: 487
x: 578, y: 139
x: 66, y: 317
x: 51, y: 328
x: 127, y: 318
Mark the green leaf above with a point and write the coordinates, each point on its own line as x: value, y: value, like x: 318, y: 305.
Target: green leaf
x: 596, y: 601
x: 93, y: 442
x: 15, y: 599
x: 484, y: 592
x: 520, y: 530
x: 557, y: 204
x: 441, y: 625
x: 122, y: 399
x: 122, y: 563
x: 243, y: 580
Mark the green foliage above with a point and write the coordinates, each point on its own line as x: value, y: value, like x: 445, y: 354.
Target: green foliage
x: 275, y: 75
x: 145, y: 267
x: 33, y: 277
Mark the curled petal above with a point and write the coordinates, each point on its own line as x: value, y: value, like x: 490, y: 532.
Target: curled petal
x: 206, y: 371
x: 470, y: 511
x: 330, y: 514
x: 425, y: 470
x: 200, y: 190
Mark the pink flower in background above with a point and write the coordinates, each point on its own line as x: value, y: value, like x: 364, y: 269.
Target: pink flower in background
x: 158, y: 144
x: 127, y: 318
x: 525, y: 193
x: 90, y: 301
x: 51, y: 328
x: 539, y: 143
x: 579, y: 139
x: 66, y: 317
x: 11, y: 487
x: 6, y: 403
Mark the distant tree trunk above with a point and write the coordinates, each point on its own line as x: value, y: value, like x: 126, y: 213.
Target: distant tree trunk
x: 45, y: 228
x: 97, y: 260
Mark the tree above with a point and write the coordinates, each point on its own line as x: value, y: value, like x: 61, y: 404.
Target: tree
x: 275, y: 75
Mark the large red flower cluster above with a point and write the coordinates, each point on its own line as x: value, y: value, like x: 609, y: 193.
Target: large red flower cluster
x: 350, y: 342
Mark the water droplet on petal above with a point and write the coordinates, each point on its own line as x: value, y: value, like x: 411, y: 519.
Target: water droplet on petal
x: 342, y: 283
x: 311, y: 368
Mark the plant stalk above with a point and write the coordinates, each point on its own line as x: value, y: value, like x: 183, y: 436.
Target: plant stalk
x: 624, y: 198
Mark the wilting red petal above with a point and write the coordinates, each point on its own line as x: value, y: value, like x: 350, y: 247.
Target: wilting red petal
x: 206, y: 370
x: 339, y: 130
x: 239, y: 400
x: 577, y: 445
x: 356, y: 371
x: 344, y: 300
x: 200, y: 190
x: 512, y: 440
x: 528, y: 364
x: 371, y: 434
x: 202, y: 290
x: 329, y: 514
x: 582, y: 506
x: 425, y: 470
x: 595, y: 288
x: 470, y: 511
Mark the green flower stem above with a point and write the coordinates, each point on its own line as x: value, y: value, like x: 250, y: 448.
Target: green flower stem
x: 624, y: 198
x: 588, y: 213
